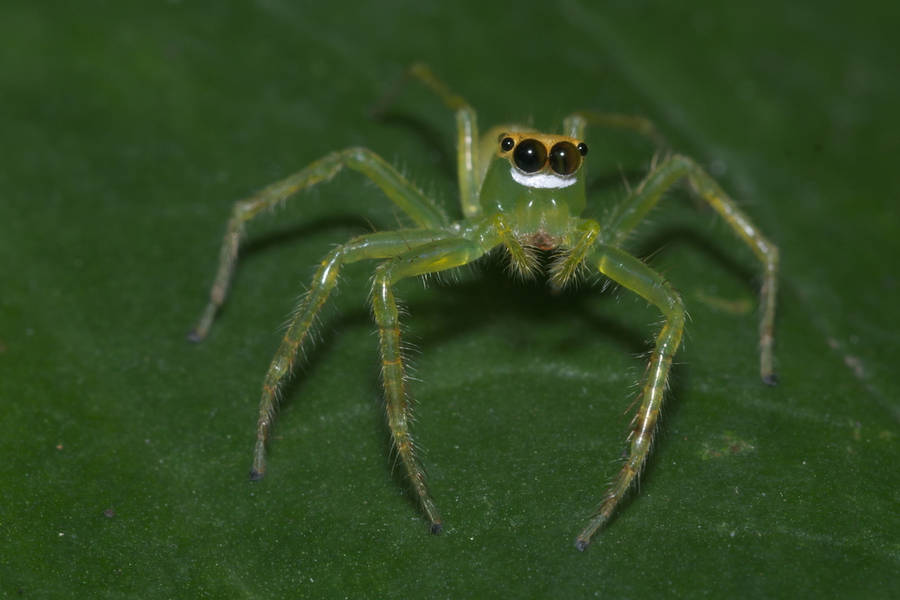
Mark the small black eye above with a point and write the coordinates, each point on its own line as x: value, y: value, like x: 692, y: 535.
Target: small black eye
x: 530, y: 155
x: 564, y: 158
x: 582, y: 147
x: 507, y: 143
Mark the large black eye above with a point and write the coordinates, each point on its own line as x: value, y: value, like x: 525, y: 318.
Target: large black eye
x: 564, y: 158
x: 507, y: 143
x: 530, y: 155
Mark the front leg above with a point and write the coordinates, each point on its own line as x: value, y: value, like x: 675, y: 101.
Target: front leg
x: 430, y: 258
x: 633, y: 274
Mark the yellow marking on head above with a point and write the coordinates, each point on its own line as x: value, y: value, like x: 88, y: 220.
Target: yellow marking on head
x: 541, y: 155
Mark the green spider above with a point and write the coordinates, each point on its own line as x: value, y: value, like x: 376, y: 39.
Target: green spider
x: 521, y: 190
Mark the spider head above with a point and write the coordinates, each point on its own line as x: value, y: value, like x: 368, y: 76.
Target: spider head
x: 540, y: 160
x: 536, y: 178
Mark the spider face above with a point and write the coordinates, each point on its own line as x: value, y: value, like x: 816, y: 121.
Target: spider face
x: 536, y: 180
x: 542, y: 161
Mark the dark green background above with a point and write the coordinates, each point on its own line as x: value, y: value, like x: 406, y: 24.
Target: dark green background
x: 129, y: 129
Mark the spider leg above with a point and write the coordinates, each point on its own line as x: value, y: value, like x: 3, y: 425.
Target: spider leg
x: 575, y: 124
x: 635, y: 275
x: 468, y: 170
x: 628, y: 215
x: 430, y: 258
x: 372, y: 246
x: 404, y: 194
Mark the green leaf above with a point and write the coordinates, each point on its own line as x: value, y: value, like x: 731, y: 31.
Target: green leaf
x: 128, y: 131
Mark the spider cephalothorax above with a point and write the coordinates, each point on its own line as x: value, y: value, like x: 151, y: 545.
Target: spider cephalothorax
x: 534, y: 182
x: 520, y: 190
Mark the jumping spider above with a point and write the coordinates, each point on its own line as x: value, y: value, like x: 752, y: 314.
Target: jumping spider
x: 522, y: 190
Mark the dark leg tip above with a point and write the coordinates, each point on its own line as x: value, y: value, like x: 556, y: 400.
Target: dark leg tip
x: 770, y: 379
x: 436, y: 528
x: 581, y: 544
x: 195, y: 336
x: 255, y: 475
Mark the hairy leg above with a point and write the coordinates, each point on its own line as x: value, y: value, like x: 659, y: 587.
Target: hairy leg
x: 467, y: 149
x: 430, y: 258
x: 633, y: 274
x: 628, y: 215
x: 406, y: 196
x: 372, y: 246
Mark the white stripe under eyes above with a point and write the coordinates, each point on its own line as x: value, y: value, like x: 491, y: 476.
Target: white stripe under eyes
x: 541, y: 180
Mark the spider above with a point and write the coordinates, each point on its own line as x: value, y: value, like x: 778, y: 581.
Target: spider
x: 522, y: 191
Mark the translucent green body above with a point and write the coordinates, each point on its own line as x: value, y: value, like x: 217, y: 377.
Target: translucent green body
x: 522, y: 192
x: 530, y: 210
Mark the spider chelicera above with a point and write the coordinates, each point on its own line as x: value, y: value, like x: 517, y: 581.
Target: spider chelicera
x: 522, y: 191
